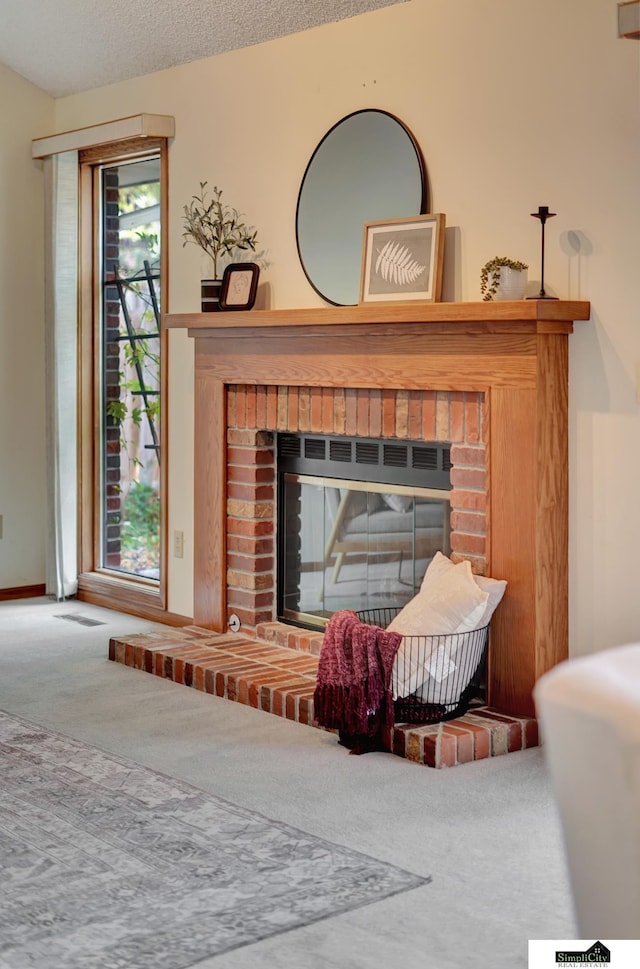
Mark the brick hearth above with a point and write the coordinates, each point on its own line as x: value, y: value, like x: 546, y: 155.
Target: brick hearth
x: 276, y: 672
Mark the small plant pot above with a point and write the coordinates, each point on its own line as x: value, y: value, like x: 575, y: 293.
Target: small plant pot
x: 512, y: 283
x: 210, y: 290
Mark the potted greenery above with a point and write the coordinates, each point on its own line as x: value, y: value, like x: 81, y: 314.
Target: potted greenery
x: 503, y: 278
x: 218, y: 230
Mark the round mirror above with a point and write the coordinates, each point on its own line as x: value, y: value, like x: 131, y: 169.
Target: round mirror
x: 367, y: 167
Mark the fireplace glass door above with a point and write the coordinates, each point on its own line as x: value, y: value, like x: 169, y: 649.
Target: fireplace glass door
x: 354, y: 545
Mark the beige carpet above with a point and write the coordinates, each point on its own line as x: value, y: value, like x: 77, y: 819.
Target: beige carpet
x: 486, y: 832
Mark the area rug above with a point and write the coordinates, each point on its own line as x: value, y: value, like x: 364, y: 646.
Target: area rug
x: 108, y: 865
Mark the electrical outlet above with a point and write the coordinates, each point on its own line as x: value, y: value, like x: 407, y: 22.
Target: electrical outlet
x: 178, y: 544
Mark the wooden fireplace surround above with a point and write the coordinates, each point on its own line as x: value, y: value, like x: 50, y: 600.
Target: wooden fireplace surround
x: 515, y: 353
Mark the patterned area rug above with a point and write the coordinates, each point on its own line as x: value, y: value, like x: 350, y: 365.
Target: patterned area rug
x: 108, y: 865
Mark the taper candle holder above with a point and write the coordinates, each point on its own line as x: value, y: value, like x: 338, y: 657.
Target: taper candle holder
x: 543, y: 214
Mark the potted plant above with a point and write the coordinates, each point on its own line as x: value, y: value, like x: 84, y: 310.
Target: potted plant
x: 503, y: 278
x: 218, y: 230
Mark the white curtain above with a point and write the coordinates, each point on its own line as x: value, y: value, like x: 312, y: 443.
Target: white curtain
x: 61, y: 325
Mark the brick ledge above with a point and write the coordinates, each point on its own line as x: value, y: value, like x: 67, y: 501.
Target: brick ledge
x: 279, y: 677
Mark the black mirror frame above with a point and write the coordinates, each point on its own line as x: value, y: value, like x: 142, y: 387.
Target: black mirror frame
x: 423, y: 178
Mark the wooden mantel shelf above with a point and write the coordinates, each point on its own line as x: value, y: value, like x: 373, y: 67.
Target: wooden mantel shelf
x: 524, y: 313
x: 515, y: 353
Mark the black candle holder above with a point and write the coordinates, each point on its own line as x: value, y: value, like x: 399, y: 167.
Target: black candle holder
x: 543, y: 214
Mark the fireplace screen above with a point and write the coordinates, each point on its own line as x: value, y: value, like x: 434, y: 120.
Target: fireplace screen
x: 359, y: 520
x: 354, y: 545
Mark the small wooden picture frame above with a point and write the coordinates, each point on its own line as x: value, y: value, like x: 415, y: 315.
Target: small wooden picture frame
x: 239, y: 286
x: 402, y: 260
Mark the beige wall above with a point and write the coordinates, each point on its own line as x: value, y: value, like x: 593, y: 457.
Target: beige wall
x: 514, y: 104
x: 25, y: 111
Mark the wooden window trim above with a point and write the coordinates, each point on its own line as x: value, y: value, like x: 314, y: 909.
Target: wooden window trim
x: 101, y: 586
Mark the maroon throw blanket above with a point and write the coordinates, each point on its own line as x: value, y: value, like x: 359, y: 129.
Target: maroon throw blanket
x: 353, y: 688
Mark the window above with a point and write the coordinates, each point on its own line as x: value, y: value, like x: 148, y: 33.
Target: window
x: 130, y: 367
x: 123, y: 192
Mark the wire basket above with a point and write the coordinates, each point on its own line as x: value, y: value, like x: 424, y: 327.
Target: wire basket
x: 434, y: 678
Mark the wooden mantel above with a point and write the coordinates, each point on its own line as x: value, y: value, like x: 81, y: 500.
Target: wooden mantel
x: 516, y: 353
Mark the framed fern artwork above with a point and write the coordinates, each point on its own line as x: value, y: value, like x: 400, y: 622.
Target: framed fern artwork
x: 402, y: 259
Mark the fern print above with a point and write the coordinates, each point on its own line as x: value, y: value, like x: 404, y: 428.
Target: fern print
x: 395, y: 263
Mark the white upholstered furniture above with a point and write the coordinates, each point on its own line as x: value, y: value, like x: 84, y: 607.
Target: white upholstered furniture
x: 589, y: 712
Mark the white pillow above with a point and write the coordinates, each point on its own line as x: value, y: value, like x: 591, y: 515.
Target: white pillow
x: 449, y: 601
x: 441, y: 565
x: 495, y: 588
x: 429, y: 673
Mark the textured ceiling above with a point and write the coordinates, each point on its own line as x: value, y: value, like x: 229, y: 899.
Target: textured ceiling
x: 68, y: 46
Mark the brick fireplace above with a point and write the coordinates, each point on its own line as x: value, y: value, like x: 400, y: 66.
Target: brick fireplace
x: 254, y: 413
x: 492, y: 378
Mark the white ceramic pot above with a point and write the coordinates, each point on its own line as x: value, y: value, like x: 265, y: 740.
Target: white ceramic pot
x: 512, y: 284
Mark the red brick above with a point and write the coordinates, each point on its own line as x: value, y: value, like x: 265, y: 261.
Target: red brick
x: 199, y: 669
x: 512, y: 725
x: 467, y: 543
x: 304, y: 409
x: 375, y: 413
x: 250, y: 618
x: 464, y: 742
x: 250, y: 545
x: 467, y: 478
x: 327, y: 410
x: 531, y: 737
x: 250, y: 492
x: 250, y: 527
x: 249, y: 563
x: 265, y: 699
x: 472, y: 500
x: 267, y: 631
x: 241, y: 407
x: 402, y: 414
x: 399, y: 741
x: 255, y: 474
x: 339, y: 411
x: 271, y: 421
x: 415, y: 415
x: 194, y: 654
x: 428, y: 415
x: 249, y: 437
x: 248, y: 455
x: 481, y: 739
x: 388, y: 413
x: 282, y: 422
x: 293, y: 699
x: 305, y: 710
x: 469, y: 521
x: 315, y: 416
x: 362, y: 419
x: 443, y: 414
x: 249, y: 599
x: 351, y: 411
x: 466, y: 455
x: 456, y: 415
x: 250, y: 416
x: 447, y: 749
x: 261, y: 406
x: 473, y: 418
x: 293, y: 424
